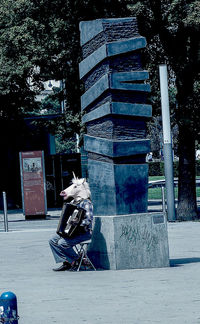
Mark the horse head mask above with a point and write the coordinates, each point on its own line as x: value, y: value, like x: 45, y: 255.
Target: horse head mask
x: 78, y: 190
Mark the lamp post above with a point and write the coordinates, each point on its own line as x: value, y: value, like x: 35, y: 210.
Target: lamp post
x: 167, y: 143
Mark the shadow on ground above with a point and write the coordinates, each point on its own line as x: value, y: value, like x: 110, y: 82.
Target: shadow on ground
x: 179, y: 262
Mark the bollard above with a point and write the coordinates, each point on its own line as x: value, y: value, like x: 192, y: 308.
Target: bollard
x: 5, y: 212
x: 8, y: 308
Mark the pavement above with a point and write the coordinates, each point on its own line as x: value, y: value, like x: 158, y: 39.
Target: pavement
x: 135, y: 296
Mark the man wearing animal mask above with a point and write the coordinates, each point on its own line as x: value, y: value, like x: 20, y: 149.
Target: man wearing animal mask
x: 62, y: 243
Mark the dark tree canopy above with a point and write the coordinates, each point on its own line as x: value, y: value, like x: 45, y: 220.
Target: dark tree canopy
x: 39, y: 40
x: 172, y: 30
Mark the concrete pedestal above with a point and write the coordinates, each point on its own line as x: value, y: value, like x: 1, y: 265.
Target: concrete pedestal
x: 134, y: 241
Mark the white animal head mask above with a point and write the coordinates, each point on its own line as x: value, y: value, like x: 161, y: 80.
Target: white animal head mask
x: 78, y: 190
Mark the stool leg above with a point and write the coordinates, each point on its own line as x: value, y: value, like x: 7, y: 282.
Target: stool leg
x: 81, y: 260
x: 86, y: 256
x: 82, y: 252
x: 90, y: 263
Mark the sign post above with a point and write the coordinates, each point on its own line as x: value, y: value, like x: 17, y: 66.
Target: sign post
x: 33, y: 183
x: 167, y: 143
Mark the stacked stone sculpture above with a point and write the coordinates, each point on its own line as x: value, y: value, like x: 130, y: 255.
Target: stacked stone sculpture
x: 115, y: 111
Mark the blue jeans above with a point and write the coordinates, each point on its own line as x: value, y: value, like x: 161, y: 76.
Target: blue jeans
x: 62, y: 248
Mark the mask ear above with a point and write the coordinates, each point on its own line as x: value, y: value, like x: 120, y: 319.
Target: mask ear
x: 84, y: 180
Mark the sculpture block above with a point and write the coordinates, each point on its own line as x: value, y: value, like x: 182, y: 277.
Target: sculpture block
x: 115, y: 113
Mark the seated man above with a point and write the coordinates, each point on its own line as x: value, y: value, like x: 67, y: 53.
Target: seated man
x: 62, y: 247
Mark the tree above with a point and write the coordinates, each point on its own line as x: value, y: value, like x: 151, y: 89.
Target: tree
x: 39, y: 40
x: 172, y: 28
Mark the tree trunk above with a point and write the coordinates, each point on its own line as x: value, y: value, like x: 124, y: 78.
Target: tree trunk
x: 187, y: 205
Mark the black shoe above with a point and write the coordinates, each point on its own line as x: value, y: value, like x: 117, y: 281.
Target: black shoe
x: 65, y: 266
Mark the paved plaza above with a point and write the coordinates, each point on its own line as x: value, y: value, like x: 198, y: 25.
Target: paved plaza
x: 160, y: 295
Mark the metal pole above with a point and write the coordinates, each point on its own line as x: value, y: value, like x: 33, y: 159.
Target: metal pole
x: 77, y: 143
x: 167, y: 143
x: 163, y: 199
x: 5, y: 212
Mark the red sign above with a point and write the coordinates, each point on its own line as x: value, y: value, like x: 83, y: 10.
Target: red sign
x: 33, y: 183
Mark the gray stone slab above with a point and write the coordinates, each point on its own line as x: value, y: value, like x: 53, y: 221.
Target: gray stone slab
x: 92, y: 60
x: 95, y: 91
x: 102, y: 185
x: 120, y: 81
x: 118, y: 188
x: 128, y: 80
x: 90, y: 29
x: 108, y: 50
x: 119, y: 108
x: 130, y: 241
x: 125, y: 46
x: 116, y: 148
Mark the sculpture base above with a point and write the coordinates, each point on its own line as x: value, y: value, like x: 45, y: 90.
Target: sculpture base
x: 134, y: 241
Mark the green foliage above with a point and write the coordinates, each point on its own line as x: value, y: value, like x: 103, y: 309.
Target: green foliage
x: 157, y: 168
x: 39, y: 40
x: 50, y: 104
x: 198, y: 168
x: 63, y: 146
x: 172, y: 31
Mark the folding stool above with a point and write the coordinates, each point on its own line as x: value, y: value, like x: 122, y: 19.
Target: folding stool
x: 83, y: 260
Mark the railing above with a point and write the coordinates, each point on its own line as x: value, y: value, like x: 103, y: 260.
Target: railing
x: 161, y: 184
